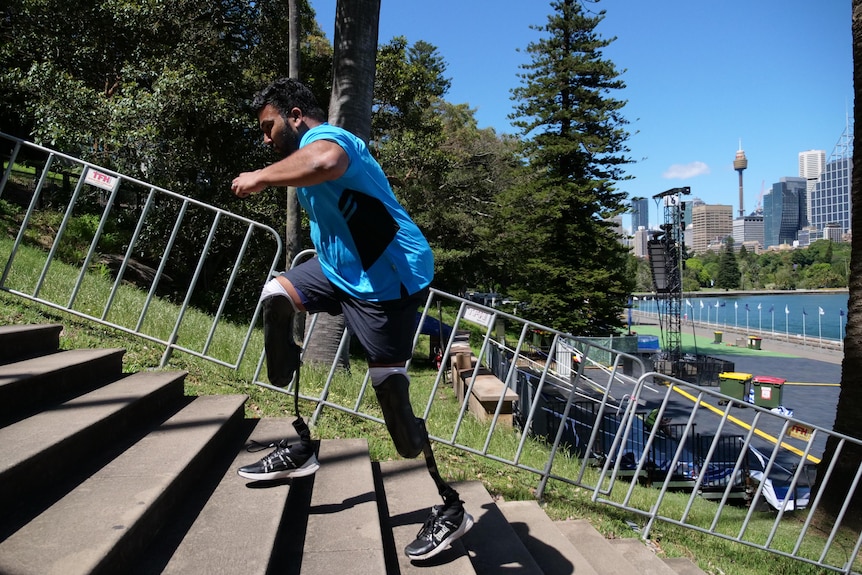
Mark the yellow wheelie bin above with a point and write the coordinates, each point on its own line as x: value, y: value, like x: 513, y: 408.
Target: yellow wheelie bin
x: 734, y: 384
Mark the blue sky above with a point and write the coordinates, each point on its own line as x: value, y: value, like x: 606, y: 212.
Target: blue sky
x: 701, y: 77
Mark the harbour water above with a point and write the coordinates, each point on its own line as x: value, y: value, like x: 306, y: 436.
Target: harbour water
x: 809, y: 314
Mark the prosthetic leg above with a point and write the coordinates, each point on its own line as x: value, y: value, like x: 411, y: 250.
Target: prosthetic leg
x: 446, y: 522
x: 408, y: 431
x: 283, y: 352
x: 283, y: 359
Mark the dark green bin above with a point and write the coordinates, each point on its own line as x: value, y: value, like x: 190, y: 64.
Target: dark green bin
x: 767, y: 390
x: 734, y: 384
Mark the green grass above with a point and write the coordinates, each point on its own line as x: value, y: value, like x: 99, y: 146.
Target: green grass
x: 561, y: 501
x: 30, y: 172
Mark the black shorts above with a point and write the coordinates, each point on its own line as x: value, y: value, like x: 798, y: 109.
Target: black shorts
x: 385, y: 329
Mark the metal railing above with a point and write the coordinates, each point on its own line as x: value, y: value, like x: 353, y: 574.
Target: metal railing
x: 82, y: 191
x: 501, y: 382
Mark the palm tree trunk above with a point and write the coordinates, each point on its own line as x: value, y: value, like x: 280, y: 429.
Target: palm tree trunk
x: 848, y: 415
x: 354, y: 63
x: 293, y: 237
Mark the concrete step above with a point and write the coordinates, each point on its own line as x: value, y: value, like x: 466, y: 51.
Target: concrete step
x: 27, y: 385
x: 127, y: 475
x: 101, y: 525
x: 683, y: 566
x: 604, y: 558
x: 237, y: 529
x: 493, y: 545
x: 554, y: 553
x: 41, y: 449
x: 18, y: 342
x: 637, y: 553
x: 343, y: 533
x: 409, y: 495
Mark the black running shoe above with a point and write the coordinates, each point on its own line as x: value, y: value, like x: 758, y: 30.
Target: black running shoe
x: 441, y: 528
x: 284, y: 462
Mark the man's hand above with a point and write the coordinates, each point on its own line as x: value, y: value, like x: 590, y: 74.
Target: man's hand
x: 247, y: 183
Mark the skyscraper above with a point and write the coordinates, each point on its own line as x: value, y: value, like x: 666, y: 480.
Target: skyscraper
x: 710, y: 223
x: 640, y: 214
x: 748, y: 230
x: 812, y: 163
x: 784, y: 211
x: 829, y: 202
x: 641, y: 237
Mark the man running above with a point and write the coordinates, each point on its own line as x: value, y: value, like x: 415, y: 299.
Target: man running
x: 373, y: 265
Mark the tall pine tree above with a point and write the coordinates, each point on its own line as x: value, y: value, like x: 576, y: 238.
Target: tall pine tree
x: 565, y: 260
x: 728, y: 269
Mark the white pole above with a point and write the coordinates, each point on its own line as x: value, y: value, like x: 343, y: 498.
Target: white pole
x: 760, y: 318
x: 819, y: 327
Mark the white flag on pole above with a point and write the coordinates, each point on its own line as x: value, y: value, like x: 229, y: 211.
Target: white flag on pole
x: 820, y: 309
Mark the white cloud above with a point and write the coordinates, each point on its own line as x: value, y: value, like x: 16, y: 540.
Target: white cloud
x: 685, y: 171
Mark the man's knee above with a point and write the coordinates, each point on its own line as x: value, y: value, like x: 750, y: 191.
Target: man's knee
x: 392, y: 388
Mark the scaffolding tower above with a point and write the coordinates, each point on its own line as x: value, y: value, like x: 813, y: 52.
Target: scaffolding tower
x: 666, y: 251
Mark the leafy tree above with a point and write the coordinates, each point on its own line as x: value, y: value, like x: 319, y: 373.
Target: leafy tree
x: 443, y: 168
x: 728, y: 270
x: 691, y: 275
x: 819, y: 276
x: 785, y: 279
x: 407, y: 127
x: 564, y: 259
x: 827, y: 255
x: 643, y: 276
x: 804, y: 257
x: 459, y: 218
x: 410, y: 80
x: 167, y: 107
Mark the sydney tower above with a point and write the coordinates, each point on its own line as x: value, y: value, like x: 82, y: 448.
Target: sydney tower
x: 739, y: 164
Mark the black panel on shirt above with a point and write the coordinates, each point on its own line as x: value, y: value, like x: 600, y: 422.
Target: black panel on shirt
x: 370, y: 223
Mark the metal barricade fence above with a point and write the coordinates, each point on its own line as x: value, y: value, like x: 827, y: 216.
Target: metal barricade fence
x: 642, y: 427
x: 762, y: 455
x: 99, y: 197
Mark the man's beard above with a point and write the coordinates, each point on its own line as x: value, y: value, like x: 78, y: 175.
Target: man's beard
x: 289, y: 143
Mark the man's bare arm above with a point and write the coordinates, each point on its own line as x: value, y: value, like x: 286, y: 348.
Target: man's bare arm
x: 318, y: 162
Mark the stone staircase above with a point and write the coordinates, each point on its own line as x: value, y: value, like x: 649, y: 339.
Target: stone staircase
x: 105, y: 472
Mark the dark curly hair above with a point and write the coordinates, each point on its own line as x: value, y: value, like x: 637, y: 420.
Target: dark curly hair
x: 285, y: 94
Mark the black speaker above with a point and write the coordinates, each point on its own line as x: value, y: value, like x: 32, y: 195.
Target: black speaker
x: 665, y: 272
